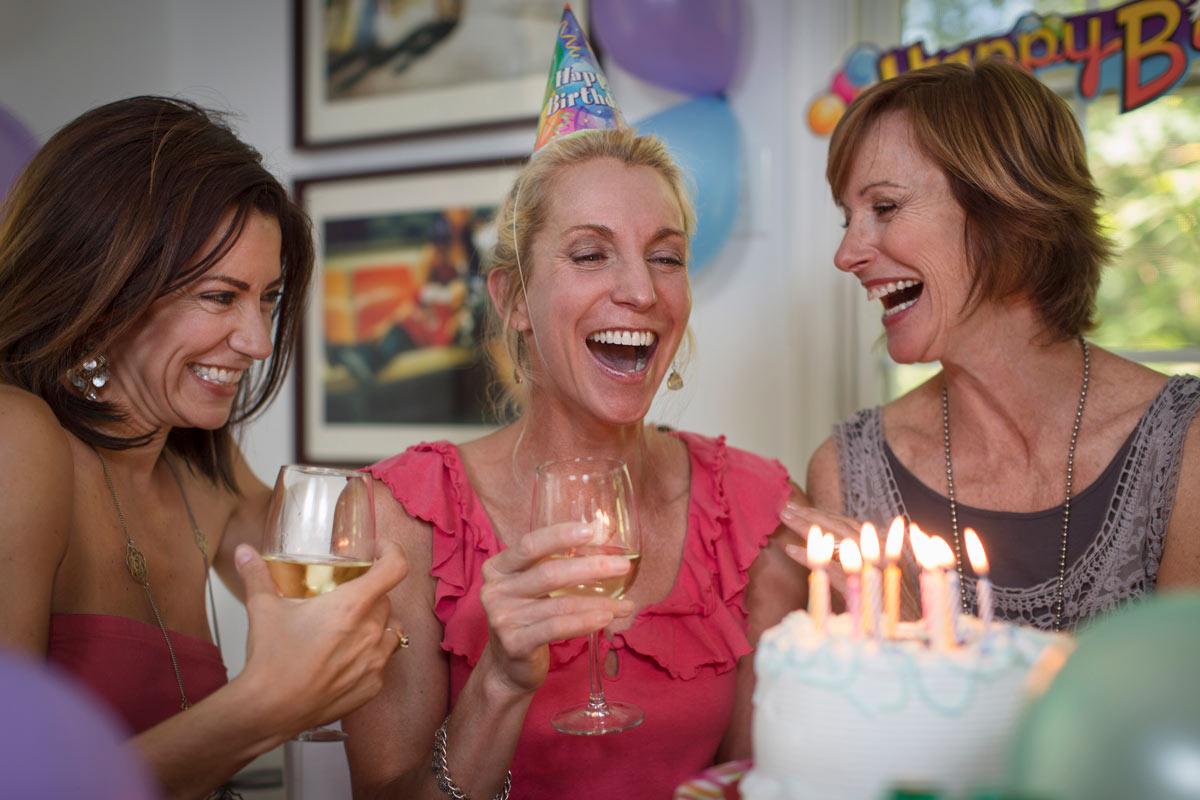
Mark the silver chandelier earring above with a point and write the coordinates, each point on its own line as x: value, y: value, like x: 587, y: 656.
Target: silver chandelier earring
x: 89, y: 376
x: 674, y: 380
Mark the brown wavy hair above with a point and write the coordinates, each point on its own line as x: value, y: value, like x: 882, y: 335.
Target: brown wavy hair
x: 111, y: 215
x: 1016, y: 162
x: 522, y: 216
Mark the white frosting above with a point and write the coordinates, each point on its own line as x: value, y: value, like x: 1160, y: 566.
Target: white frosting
x: 840, y: 717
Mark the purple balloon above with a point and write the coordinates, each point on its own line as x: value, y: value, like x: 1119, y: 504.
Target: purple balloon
x: 17, y: 146
x: 687, y: 45
x: 60, y: 742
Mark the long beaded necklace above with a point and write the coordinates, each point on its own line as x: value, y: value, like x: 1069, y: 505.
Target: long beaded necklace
x: 1060, y: 583
x: 135, y: 561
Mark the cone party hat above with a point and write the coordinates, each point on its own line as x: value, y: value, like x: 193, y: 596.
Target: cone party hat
x: 577, y: 95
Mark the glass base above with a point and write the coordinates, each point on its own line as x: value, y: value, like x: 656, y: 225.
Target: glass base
x: 595, y: 719
x: 322, y: 735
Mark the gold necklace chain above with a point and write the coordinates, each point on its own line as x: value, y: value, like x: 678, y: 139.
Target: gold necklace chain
x: 1060, y: 583
x: 135, y: 561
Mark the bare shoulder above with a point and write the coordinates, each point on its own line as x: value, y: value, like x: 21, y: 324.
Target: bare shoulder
x: 37, y: 489
x: 32, y: 439
x: 821, y: 481
x: 392, y: 521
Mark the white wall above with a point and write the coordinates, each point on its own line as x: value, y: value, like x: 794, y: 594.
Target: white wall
x: 776, y: 330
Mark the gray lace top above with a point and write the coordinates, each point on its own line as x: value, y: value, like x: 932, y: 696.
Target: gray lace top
x: 1121, y: 560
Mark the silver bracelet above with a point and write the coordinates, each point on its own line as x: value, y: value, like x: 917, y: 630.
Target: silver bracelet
x: 442, y: 772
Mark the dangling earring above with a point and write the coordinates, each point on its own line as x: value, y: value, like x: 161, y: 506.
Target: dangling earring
x: 90, y: 376
x: 674, y: 380
x: 517, y: 378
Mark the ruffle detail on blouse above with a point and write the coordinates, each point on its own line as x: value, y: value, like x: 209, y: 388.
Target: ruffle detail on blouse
x: 429, y: 481
x: 734, y: 508
x: 734, y: 505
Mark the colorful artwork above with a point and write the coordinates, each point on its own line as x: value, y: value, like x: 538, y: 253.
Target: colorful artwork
x: 392, y: 351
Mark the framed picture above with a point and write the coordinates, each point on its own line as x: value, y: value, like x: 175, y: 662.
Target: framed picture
x: 391, y: 352
x: 382, y: 69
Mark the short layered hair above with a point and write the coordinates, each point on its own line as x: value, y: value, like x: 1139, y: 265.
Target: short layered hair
x: 1016, y: 163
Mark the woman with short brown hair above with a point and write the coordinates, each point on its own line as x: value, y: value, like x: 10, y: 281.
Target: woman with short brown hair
x: 971, y: 215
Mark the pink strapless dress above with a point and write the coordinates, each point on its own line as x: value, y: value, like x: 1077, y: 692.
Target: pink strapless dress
x: 126, y: 663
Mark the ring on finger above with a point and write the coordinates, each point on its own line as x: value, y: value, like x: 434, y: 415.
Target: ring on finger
x: 401, y: 639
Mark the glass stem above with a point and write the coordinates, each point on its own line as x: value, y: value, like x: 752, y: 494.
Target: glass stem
x: 596, y: 702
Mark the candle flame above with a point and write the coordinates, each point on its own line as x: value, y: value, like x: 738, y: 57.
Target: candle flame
x: 923, y: 549
x: 975, y: 552
x: 940, y: 550
x: 915, y: 534
x: 819, y: 553
x: 851, y: 559
x: 895, y: 539
x: 869, y: 541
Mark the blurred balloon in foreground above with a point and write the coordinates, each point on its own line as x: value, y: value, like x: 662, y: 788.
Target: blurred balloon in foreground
x: 702, y: 134
x: 17, y: 146
x: 1121, y: 718
x: 687, y: 45
x: 59, y: 742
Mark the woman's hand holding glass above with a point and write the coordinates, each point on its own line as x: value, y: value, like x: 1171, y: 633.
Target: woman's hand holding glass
x: 523, y: 618
x: 332, y: 647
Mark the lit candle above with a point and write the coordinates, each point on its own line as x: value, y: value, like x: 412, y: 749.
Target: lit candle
x: 933, y: 586
x: 983, y: 586
x: 945, y: 636
x: 852, y: 566
x: 891, y: 578
x: 819, y: 554
x: 872, y: 590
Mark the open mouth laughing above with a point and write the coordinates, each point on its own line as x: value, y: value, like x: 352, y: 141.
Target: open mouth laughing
x: 623, y: 350
x: 896, y: 296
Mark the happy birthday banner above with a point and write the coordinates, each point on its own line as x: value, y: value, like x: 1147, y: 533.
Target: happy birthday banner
x: 1142, y: 50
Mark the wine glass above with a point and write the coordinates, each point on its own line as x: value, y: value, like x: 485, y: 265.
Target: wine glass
x: 320, y: 533
x: 597, y: 492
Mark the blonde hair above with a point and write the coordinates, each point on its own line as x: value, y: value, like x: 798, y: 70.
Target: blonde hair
x: 1016, y: 162
x: 522, y: 216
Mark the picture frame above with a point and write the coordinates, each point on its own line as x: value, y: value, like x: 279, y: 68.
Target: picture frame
x: 371, y: 72
x: 391, y: 351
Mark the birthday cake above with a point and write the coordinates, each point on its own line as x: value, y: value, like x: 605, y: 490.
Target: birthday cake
x: 837, y: 715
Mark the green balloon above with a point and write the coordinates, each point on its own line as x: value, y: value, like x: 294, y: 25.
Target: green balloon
x: 1121, y: 718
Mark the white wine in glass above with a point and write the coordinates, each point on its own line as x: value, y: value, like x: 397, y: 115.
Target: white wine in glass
x: 596, y: 492
x: 320, y: 534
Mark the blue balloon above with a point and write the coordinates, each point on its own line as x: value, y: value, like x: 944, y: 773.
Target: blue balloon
x: 61, y: 743
x: 703, y: 136
x: 862, y: 66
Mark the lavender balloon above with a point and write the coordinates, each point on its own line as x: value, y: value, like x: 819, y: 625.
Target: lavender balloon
x: 690, y: 46
x: 17, y: 146
x: 61, y: 743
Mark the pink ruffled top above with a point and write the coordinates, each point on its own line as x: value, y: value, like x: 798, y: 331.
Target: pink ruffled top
x: 677, y: 661
x: 126, y: 663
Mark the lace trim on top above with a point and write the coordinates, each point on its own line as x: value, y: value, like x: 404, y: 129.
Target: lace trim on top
x: 1122, y: 561
x: 734, y: 504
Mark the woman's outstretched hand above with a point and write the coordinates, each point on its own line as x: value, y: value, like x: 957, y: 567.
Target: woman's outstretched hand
x: 523, y: 619
x: 313, y: 661
x: 801, y: 519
